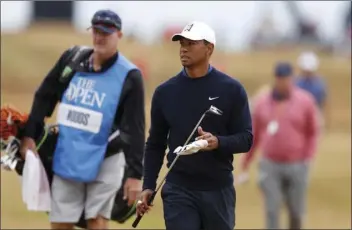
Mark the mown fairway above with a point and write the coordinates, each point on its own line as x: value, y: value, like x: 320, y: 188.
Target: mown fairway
x: 25, y: 58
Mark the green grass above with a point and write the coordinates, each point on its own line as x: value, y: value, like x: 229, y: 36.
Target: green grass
x: 329, y: 197
x: 25, y: 59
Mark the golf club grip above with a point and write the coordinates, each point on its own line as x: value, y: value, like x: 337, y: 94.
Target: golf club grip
x: 136, y: 221
x: 139, y: 217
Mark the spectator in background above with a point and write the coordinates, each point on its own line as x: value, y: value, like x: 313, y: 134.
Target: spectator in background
x: 285, y: 127
x: 309, y: 80
x: 261, y: 91
x: 342, y: 43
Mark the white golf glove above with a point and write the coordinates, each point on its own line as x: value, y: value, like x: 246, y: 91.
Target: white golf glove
x: 191, y: 148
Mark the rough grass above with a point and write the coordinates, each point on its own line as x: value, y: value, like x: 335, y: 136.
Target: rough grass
x: 25, y: 59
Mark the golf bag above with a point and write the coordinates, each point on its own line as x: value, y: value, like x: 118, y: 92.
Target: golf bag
x: 12, y: 128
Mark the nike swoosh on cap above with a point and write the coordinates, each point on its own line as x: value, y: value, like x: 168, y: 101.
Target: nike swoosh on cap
x: 213, y: 98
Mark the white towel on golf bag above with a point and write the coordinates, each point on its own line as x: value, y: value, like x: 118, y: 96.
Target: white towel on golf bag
x: 191, y: 148
x: 35, y: 184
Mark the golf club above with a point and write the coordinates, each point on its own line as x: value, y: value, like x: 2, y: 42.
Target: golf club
x: 211, y: 110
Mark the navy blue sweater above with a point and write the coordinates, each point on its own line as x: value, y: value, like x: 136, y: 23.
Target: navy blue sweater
x: 177, y: 105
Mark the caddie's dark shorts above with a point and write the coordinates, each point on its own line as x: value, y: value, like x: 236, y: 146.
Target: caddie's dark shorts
x: 198, y: 210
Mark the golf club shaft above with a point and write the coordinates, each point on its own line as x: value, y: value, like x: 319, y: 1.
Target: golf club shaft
x: 177, y: 156
x: 150, y: 201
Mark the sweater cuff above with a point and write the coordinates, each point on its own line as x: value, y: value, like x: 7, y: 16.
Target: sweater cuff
x: 149, y: 185
x: 133, y: 174
x: 222, y: 143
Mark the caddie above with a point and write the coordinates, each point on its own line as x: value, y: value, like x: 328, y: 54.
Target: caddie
x: 102, y: 105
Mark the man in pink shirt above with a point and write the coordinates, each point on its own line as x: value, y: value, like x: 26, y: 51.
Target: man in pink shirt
x: 285, y: 124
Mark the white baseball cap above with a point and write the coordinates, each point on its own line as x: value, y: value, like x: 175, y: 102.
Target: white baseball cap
x: 308, y: 61
x: 196, y: 31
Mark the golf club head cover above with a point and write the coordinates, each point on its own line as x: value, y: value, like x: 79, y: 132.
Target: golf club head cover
x: 191, y: 148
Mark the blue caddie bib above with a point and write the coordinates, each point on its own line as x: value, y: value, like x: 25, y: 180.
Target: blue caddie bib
x: 85, y: 118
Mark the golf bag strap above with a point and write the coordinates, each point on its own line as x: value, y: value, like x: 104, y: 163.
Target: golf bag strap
x: 72, y: 61
x: 76, y: 56
x: 42, y: 138
x: 46, y: 131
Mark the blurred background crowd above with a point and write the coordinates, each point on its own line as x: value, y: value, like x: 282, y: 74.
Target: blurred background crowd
x: 240, y: 25
x: 315, y: 36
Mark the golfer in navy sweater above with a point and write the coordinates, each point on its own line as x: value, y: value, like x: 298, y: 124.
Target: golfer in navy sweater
x: 199, y: 192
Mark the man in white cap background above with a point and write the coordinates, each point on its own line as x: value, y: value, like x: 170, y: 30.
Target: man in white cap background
x: 199, y: 191
x: 309, y: 80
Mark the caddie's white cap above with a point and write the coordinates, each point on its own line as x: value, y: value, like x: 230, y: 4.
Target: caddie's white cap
x: 196, y: 31
x: 308, y: 61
